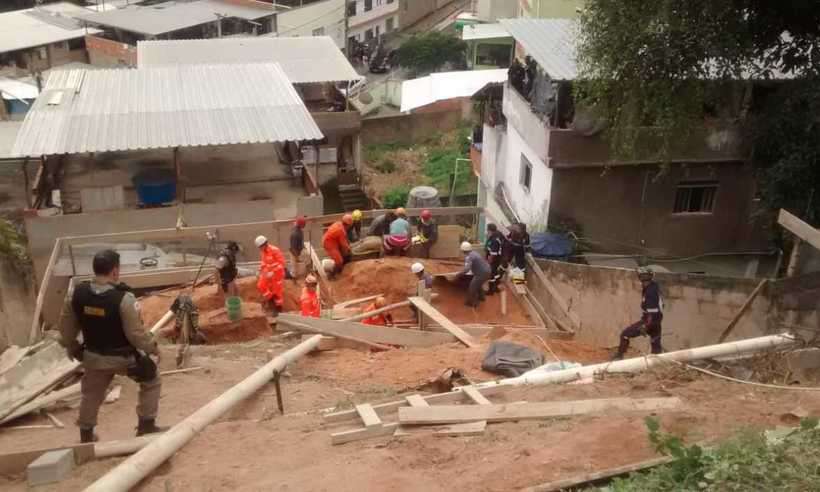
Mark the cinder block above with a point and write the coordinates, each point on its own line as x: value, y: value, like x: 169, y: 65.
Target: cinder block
x: 50, y: 467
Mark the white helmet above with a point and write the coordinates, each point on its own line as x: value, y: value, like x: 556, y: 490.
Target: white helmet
x: 260, y: 240
x: 466, y: 247
x: 416, y: 268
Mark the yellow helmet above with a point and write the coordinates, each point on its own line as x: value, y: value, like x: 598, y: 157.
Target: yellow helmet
x: 357, y: 215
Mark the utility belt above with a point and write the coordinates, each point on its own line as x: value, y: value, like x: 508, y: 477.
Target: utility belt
x: 143, y: 370
x: 128, y: 351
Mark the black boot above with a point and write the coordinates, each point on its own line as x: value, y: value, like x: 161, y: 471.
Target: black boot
x: 87, y: 435
x: 148, y: 426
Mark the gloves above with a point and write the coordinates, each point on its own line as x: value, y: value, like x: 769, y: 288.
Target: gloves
x: 75, y: 352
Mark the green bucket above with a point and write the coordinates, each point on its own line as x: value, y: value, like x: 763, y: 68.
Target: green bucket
x: 233, y: 306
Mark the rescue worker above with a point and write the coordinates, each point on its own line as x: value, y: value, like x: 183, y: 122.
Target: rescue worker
x: 477, y: 270
x: 309, y: 300
x: 354, y: 234
x: 519, y: 244
x: 381, y: 225
x: 297, y: 246
x: 381, y: 319
x: 335, y: 242
x: 495, y: 246
x: 114, y: 342
x: 421, y: 276
x: 271, y: 274
x: 428, y: 233
x: 226, y: 269
x: 650, y: 323
x: 399, y: 239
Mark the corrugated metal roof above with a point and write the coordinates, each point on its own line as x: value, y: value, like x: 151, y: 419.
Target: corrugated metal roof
x: 484, y: 31
x: 446, y: 85
x: 551, y: 42
x: 8, y: 132
x: 304, y: 59
x: 126, y: 109
x: 19, y: 29
x: 160, y: 18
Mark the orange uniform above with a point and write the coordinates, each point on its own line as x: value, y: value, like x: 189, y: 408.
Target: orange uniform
x: 272, y: 274
x: 335, y: 243
x: 381, y: 319
x: 309, y: 303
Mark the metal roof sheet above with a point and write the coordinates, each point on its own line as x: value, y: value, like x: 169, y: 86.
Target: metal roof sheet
x: 29, y: 28
x: 484, y: 31
x: 125, y: 109
x: 446, y: 85
x: 304, y: 59
x: 160, y: 18
x: 551, y: 42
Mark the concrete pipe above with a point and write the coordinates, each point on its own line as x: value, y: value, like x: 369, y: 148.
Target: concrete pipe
x: 639, y: 364
x: 129, y: 473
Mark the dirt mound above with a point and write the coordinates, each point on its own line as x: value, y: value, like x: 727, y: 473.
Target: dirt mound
x: 217, y: 328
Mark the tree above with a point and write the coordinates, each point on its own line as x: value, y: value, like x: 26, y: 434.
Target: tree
x: 428, y: 52
x: 664, y: 66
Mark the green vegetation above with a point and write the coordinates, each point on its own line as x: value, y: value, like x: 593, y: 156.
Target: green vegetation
x: 12, y: 245
x: 428, y: 52
x: 396, y: 197
x: 657, y: 71
x: 750, y: 461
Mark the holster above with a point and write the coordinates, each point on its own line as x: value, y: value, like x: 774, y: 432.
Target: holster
x: 143, y: 370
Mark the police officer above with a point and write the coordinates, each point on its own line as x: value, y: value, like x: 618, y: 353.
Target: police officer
x: 650, y: 323
x: 226, y: 269
x: 114, y: 342
x: 495, y: 247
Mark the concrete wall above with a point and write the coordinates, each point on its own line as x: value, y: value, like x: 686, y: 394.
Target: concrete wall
x: 533, y: 205
x: 16, y: 306
x: 407, y: 128
x: 492, y: 10
x: 520, y: 116
x: 545, y: 9
x: 327, y: 16
x: 630, y: 209
x: 375, y: 18
x: 107, y: 53
x: 696, y: 309
x: 412, y: 11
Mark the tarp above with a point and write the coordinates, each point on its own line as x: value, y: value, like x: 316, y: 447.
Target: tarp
x: 510, y: 359
x: 547, y: 245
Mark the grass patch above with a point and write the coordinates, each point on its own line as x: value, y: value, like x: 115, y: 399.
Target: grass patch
x: 396, y: 197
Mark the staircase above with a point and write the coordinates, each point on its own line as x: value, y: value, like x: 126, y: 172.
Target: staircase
x: 353, y: 197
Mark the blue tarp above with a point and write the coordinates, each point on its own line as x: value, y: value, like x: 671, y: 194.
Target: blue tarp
x: 547, y: 245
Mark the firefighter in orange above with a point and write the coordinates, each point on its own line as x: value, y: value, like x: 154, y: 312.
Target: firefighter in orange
x: 271, y: 274
x: 335, y: 242
x: 309, y: 301
x: 381, y: 319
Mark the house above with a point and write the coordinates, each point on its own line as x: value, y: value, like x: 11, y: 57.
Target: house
x: 369, y: 19
x: 36, y: 39
x: 123, y: 27
x: 323, y: 18
x: 545, y: 162
x: 551, y: 9
x: 488, y: 46
x: 129, y: 150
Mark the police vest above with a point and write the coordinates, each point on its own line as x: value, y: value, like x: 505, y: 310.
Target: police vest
x: 229, y: 272
x: 99, y: 318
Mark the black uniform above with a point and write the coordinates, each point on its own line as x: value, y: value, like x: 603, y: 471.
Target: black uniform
x: 99, y: 317
x: 495, y: 246
x: 429, y: 231
x: 519, y: 245
x: 650, y: 323
x: 228, y: 272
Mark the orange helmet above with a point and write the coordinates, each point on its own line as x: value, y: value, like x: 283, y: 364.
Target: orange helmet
x: 347, y: 219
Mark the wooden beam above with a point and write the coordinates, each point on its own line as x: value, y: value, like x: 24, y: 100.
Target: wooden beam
x: 389, y: 307
x: 588, y: 478
x: 799, y: 228
x: 425, y: 308
x: 364, y: 433
x: 353, y: 302
x: 455, y: 414
x: 304, y: 324
x: 553, y: 291
x: 466, y: 429
x: 34, y: 333
x: 742, y: 311
x: 476, y: 396
x: 368, y: 416
x: 371, y: 334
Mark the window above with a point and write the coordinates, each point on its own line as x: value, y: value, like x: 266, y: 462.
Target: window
x: 319, y: 32
x: 351, y: 9
x: 378, y: 31
x: 368, y: 5
x: 389, y: 25
x: 695, y: 197
x: 493, y: 55
x: 368, y: 35
x: 525, y: 178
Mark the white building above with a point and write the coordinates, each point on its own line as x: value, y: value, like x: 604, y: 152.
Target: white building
x: 369, y: 19
x: 325, y: 18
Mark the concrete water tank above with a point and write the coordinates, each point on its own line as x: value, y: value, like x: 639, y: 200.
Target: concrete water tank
x: 423, y: 197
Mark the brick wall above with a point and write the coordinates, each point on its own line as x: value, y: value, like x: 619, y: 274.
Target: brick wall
x: 107, y: 53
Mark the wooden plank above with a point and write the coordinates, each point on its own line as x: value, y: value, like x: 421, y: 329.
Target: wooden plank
x: 301, y: 323
x: 368, y: 416
x: 416, y: 401
x: 553, y: 291
x: 353, y: 302
x: 742, y: 311
x: 389, y: 307
x: 372, y: 334
x: 44, y: 401
x: 454, y: 414
x: 34, y: 334
x: 442, y: 320
x: 799, y: 228
x: 386, y: 408
x: 476, y: 396
x: 363, y: 433
x: 453, y: 430
x: 587, y: 478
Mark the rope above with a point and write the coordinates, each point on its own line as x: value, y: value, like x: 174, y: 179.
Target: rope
x: 742, y: 381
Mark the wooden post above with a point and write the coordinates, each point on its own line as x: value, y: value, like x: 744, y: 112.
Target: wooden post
x: 741, y: 311
x: 794, y: 258
x: 178, y: 172
x: 503, y: 295
x: 26, y: 181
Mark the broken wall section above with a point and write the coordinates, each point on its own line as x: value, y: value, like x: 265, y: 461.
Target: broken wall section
x: 17, y: 300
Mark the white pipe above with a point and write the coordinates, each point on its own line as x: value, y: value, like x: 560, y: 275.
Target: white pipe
x: 638, y: 364
x: 129, y: 473
x: 162, y: 322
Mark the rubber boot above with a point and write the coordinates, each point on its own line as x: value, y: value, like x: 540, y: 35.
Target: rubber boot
x: 148, y: 426
x: 87, y: 435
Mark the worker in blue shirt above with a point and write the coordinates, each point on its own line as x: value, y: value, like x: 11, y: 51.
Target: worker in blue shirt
x: 650, y: 323
x: 478, y: 270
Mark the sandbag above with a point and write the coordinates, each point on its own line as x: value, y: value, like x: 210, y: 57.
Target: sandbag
x: 510, y: 359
